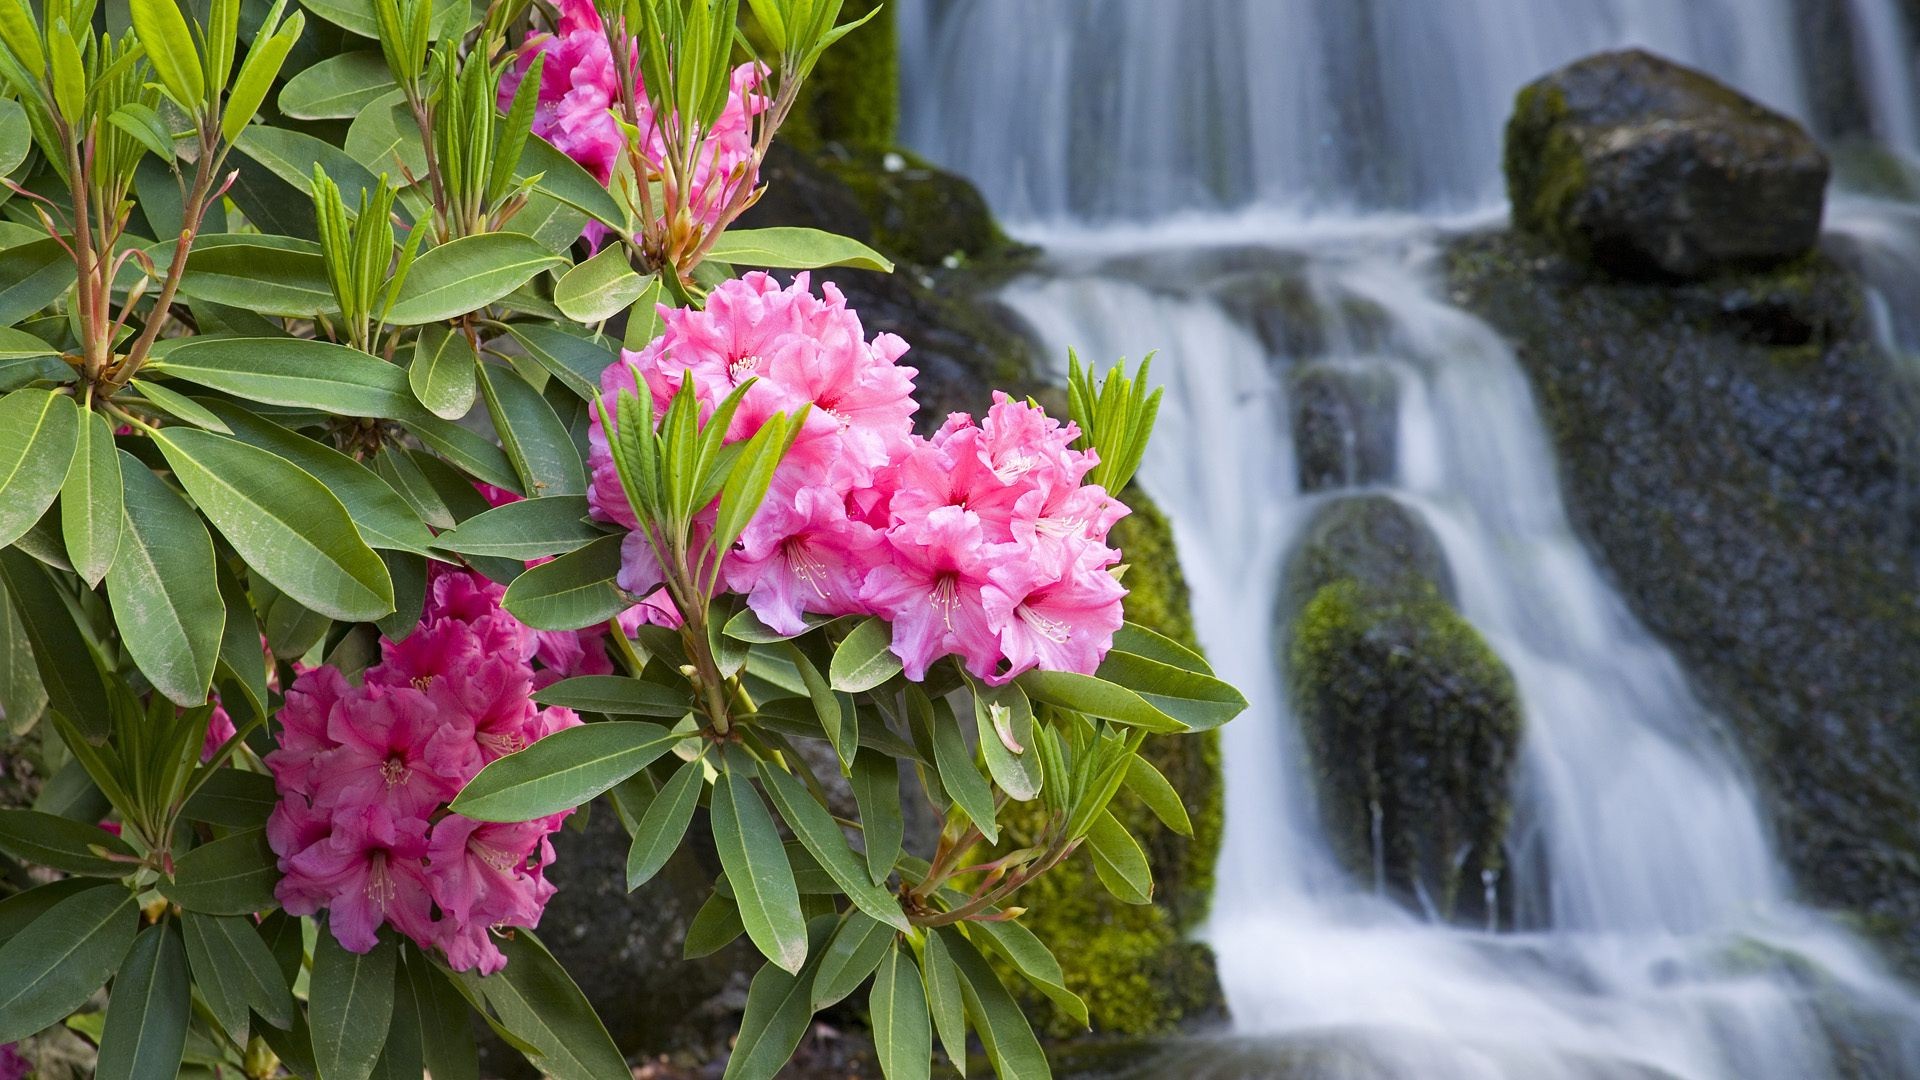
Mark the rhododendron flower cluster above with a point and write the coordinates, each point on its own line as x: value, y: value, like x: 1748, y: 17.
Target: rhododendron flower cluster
x: 579, y: 91
x: 982, y: 542
x: 365, y: 772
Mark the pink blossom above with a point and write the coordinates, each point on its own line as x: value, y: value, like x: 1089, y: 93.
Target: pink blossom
x: 484, y: 875
x: 13, y: 1064
x: 1050, y: 620
x: 219, y: 729
x: 371, y: 869
x: 396, y: 748
x: 931, y: 592
x: 800, y: 554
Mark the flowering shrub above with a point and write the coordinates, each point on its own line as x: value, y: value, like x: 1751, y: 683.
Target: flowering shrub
x: 536, y: 488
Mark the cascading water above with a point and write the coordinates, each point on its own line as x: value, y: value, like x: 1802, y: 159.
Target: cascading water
x: 1160, y: 148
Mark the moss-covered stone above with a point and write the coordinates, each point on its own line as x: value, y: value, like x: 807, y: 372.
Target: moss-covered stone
x: 1742, y: 458
x: 1133, y: 964
x: 1413, y: 726
x: 853, y: 96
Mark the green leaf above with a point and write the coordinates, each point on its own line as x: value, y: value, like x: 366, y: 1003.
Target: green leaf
x: 575, y: 590
x: 351, y: 996
x: 294, y: 372
x: 383, y: 518
x: 233, y: 875
x: 562, y: 770
x: 643, y: 318
x: 171, y: 49
x: 61, y: 844
x: 20, y: 910
x: 756, y: 864
x: 402, y: 1056
x: 180, y: 406
x: 941, y: 979
x: 541, y: 449
x: 876, y: 791
x: 664, y: 824
x: 38, y: 429
x: 541, y: 1006
x: 616, y: 696
x: 50, y: 969
x: 228, y: 952
x: 796, y: 249
x: 865, y: 659
x: 22, y: 697
x: 61, y: 653
x: 90, y: 507
x: 1153, y: 789
x: 529, y: 529
x: 902, y: 1032
x: 267, y: 275
x: 1201, y: 702
x: 234, y: 799
x: 385, y: 139
x: 1141, y: 641
x: 601, y: 287
x: 165, y: 596
x: 816, y: 830
x: 18, y: 344
x: 747, y: 627
x: 857, y: 948
x: 571, y: 358
x: 147, y: 1016
x: 139, y: 120
x: 1003, y: 1027
x: 265, y: 57
x: 32, y: 276
x: 283, y: 522
x: 337, y: 88
x: 834, y: 712
x: 1097, y: 697
x: 450, y: 1054
x: 16, y: 135
x: 715, y: 926
x: 442, y: 372
x: 777, y: 1017
x: 291, y: 156
x: 566, y: 180
x: 1118, y: 860
x: 1004, y: 718
x: 356, y: 16
x: 959, y: 775
x: 1034, y: 961
x: 467, y: 274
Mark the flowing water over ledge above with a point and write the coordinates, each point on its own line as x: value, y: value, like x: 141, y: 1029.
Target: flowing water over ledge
x: 1643, y: 928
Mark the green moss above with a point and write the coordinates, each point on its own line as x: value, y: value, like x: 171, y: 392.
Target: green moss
x: 1413, y: 724
x: 1551, y: 170
x: 1132, y: 964
x: 853, y: 96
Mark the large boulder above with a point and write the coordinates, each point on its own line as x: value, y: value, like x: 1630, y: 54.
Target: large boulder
x: 1647, y: 168
x: 1411, y: 721
x: 1741, y: 456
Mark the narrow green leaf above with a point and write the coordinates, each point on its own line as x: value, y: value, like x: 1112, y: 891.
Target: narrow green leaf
x: 163, y: 590
x: 233, y: 875
x: 959, y: 775
x: 283, y: 522
x: 20, y: 910
x: 357, y: 16
x: 32, y: 276
x: 38, y: 429
x: 236, y: 972
x: 337, y: 88
x: 1119, y: 861
x: 902, y: 1032
x: 450, y: 1054
x: 1201, y: 702
x: 876, y: 790
x: 147, y: 1016
x: 442, y: 372
x: 601, y: 287
x: 234, y: 799
x: 941, y: 979
x: 351, y: 997
x: 858, y: 946
x: 816, y: 830
x: 294, y: 372
x: 1097, y: 697
x: 1004, y: 718
x: 715, y: 926
x: 865, y: 660
x: 795, y: 249
x: 265, y: 57
x: 171, y: 49
x: 291, y: 156
x: 575, y: 360
x: 402, y: 1056
x: 529, y: 529
x: 180, y: 406
x: 565, y: 179
x: 562, y: 770
x: 1034, y: 961
x: 776, y: 1019
x: 575, y: 590
x: 538, y: 444
x: 61, y: 653
x: 756, y: 864
x: 835, y: 718
x: 617, y: 695
x: 61, y: 844
x: 664, y: 825
x: 267, y: 275
x: 90, y: 513
x: 541, y: 1006
x: 1153, y: 789
x: 467, y: 274
x: 50, y: 969
x: 1003, y: 1027
x: 1141, y: 641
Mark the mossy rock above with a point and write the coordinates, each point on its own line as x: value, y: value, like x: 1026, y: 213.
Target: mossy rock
x: 1413, y: 725
x: 853, y: 95
x: 1741, y: 456
x: 1133, y: 964
x: 1647, y: 168
x: 1346, y: 430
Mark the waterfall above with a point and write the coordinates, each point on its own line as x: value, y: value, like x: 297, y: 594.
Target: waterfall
x: 1154, y: 147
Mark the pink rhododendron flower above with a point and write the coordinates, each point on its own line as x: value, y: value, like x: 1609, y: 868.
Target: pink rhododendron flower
x: 1060, y: 621
x: 13, y: 1064
x: 931, y: 592
x: 802, y: 554
x: 365, y: 772
x: 219, y: 729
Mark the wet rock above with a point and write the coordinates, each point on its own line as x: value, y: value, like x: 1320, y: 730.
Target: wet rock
x: 1741, y: 456
x: 1345, y: 424
x: 1647, y: 168
x: 1411, y: 721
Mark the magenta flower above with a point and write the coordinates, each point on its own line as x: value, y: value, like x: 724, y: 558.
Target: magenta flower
x: 931, y: 592
x: 370, y: 868
x: 801, y: 554
x: 397, y: 749
x: 1044, y: 619
x: 219, y: 729
x: 484, y: 875
x: 13, y: 1064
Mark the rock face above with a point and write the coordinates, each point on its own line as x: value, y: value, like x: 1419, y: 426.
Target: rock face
x: 1411, y: 721
x: 1742, y: 458
x: 1647, y: 168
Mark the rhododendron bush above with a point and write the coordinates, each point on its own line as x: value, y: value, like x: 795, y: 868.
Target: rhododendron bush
x: 401, y: 450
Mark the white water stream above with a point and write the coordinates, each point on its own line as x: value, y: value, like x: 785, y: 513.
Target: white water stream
x: 1137, y: 139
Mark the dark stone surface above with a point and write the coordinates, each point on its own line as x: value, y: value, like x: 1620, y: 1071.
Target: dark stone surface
x: 1412, y: 723
x: 1743, y: 460
x: 1648, y: 168
x: 1345, y: 424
